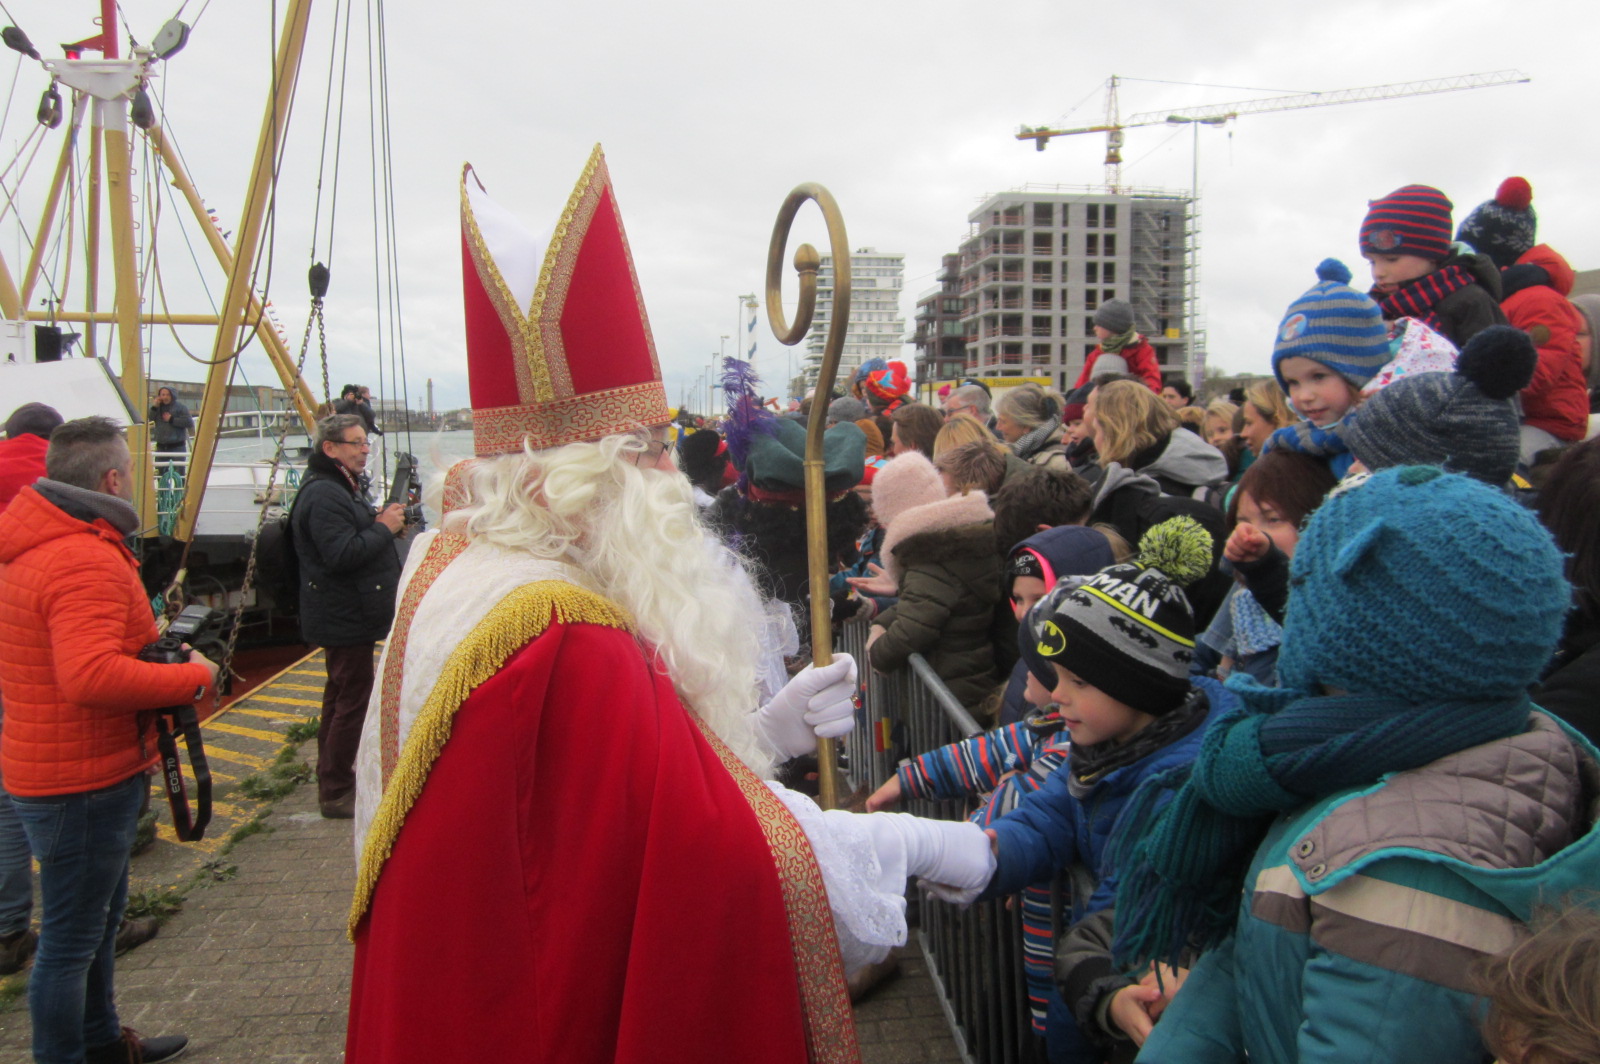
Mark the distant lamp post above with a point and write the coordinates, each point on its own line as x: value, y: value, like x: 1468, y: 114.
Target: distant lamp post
x: 1191, y: 354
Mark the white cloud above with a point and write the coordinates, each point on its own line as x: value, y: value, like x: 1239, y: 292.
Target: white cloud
x: 710, y: 114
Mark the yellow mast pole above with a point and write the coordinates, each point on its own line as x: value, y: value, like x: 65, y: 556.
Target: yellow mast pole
x: 259, y: 193
x: 818, y: 561
x: 118, y: 175
x: 102, y: 317
x: 10, y: 304
x: 30, y: 277
x: 91, y: 301
x: 305, y: 402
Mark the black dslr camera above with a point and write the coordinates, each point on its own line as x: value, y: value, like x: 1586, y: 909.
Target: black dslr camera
x: 201, y: 628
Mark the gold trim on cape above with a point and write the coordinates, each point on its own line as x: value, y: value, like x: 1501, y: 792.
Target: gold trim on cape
x: 824, y: 994
x: 519, y: 618
x: 444, y: 549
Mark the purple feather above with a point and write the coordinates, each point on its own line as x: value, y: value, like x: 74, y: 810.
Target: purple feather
x: 746, y: 415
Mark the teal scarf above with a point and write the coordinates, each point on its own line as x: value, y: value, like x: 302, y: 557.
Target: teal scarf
x: 1182, y: 876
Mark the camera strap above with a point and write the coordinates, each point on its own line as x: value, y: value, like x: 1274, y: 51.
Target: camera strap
x: 184, y: 719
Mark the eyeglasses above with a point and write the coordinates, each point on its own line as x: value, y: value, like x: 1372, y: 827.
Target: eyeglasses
x: 362, y: 443
x: 654, y: 449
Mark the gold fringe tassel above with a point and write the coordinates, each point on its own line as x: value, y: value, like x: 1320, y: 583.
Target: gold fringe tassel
x: 521, y: 617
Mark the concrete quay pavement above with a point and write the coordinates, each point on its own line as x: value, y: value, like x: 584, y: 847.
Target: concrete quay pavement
x: 256, y: 967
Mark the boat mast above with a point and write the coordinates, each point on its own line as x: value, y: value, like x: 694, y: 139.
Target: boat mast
x: 257, y: 198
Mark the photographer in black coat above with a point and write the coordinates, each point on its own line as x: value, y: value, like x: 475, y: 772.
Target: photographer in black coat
x: 349, y: 571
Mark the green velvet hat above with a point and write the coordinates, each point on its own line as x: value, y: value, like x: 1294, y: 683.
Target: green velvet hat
x: 775, y: 463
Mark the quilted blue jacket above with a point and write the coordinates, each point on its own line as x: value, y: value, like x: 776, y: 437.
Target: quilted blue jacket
x: 1364, y: 911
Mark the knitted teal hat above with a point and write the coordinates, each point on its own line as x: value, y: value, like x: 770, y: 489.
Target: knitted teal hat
x: 1334, y: 324
x: 1422, y: 585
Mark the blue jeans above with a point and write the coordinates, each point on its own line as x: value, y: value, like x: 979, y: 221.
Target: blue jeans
x: 16, y: 871
x: 81, y: 842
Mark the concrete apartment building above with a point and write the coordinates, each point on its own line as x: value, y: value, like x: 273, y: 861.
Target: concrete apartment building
x: 940, y: 334
x: 1036, y: 264
x: 877, y: 325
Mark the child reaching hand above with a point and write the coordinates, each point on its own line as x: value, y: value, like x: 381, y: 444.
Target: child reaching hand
x: 1275, y: 496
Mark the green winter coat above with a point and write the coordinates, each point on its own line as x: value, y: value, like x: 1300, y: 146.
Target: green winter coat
x: 943, y: 556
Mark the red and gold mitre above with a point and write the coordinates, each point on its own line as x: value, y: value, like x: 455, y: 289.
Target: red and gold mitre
x: 558, y: 345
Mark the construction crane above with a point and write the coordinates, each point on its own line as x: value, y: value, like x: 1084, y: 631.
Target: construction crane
x: 1220, y: 113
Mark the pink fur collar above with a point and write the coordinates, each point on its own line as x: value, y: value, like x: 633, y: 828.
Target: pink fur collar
x: 956, y: 511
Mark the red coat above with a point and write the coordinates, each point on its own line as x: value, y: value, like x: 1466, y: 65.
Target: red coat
x: 21, y: 463
x: 1142, y: 363
x: 72, y: 614
x: 581, y: 881
x: 1557, y: 400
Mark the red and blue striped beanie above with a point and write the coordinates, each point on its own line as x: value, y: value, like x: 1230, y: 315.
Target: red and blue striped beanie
x: 1414, y: 220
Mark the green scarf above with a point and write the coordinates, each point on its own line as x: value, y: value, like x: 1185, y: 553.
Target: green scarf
x: 1113, y: 344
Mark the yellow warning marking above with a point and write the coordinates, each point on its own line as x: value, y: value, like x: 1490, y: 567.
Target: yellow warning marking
x: 268, y: 714
x: 309, y: 672
x: 210, y: 844
x: 236, y: 758
x: 298, y: 687
x: 285, y: 700
x: 248, y: 733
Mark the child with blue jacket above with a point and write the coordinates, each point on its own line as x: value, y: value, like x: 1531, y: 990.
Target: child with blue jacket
x: 1118, y: 648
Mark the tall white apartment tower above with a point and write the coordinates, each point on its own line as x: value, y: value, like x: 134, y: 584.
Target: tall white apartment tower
x: 877, y: 327
x: 1036, y: 265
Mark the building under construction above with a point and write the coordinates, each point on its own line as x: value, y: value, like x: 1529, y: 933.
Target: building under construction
x: 1038, y: 261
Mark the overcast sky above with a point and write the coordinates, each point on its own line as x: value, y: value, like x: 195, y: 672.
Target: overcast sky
x: 710, y: 114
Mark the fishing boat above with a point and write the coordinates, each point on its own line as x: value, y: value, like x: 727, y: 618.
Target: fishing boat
x: 121, y: 203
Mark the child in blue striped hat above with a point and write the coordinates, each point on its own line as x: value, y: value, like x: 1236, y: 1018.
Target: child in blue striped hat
x: 1331, y: 341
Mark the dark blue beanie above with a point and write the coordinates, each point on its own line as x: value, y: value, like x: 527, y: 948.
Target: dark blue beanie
x: 1335, y: 325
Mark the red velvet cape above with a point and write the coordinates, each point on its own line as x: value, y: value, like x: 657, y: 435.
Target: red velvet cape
x: 581, y: 880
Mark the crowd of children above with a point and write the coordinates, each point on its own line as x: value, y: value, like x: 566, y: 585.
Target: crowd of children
x: 1295, y: 688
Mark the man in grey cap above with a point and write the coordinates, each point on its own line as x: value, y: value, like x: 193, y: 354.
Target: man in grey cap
x: 1123, y: 349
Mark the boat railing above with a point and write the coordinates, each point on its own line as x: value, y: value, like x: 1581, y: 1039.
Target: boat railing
x: 226, y: 498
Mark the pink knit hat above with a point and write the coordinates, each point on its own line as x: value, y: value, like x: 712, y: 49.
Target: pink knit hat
x: 907, y: 481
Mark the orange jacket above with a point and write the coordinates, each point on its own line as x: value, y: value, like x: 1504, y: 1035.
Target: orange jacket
x: 21, y: 463
x: 1557, y: 399
x: 72, y: 616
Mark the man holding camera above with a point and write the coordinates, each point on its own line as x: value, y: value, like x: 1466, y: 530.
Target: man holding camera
x: 349, y: 569
x: 78, y: 737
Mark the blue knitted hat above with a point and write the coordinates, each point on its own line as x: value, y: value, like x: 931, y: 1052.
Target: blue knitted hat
x: 1335, y: 325
x: 1421, y: 585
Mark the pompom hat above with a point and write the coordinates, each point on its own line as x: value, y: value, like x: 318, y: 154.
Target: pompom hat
x: 1419, y: 585
x: 1335, y: 325
x: 1463, y: 421
x: 1504, y: 228
x: 1414, y: 220
x: 1129, y: 629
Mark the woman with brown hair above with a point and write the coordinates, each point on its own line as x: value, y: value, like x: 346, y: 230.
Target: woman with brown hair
x: 915, y: 426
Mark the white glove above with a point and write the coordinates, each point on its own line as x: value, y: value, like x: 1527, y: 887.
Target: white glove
x: 952, y: 858
x: 817, y: 703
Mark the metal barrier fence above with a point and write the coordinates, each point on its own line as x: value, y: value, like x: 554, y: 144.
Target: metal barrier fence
x: 973, y: 954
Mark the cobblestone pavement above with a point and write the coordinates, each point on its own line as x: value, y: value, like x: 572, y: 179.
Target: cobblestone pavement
x: 256, y: 968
